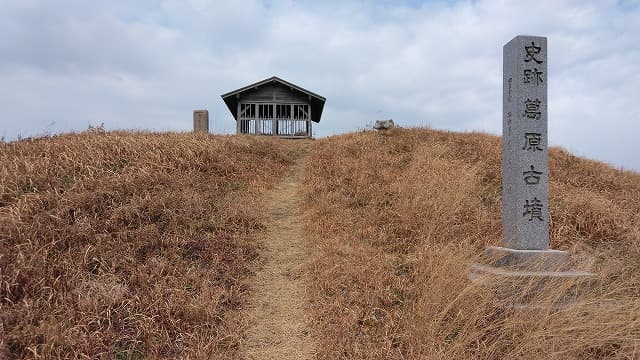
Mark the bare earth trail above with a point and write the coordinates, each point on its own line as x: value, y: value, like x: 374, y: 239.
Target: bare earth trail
x: 278, y: 325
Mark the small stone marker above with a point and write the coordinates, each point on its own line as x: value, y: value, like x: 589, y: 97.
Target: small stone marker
x: 201, y: 121
x: 525, y: 191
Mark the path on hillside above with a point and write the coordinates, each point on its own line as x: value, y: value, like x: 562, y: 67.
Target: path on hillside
x: 278, y: 322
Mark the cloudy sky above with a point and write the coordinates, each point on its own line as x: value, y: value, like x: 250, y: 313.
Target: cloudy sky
x: 147, y: 64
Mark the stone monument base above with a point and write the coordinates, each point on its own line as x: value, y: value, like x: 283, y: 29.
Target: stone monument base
x: 532, y: 278
x: 543, y: 260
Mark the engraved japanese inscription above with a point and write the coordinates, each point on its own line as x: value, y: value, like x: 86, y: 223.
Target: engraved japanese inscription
x: 525, y: 170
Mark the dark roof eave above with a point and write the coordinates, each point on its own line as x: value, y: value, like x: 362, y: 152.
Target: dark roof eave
x: 231, y: 101
x: 273, y: 78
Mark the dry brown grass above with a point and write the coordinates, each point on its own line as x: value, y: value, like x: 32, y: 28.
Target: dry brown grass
x: 396, y: 220
x: 121, y: 245
x: 130, y: 245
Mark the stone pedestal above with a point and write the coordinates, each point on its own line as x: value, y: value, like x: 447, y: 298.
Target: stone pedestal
x: 543, y: 260
x: 522, y: 288
x: 532, y: 278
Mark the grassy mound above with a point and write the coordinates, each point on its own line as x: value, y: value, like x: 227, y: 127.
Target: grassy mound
x: 398, y: 218
x: 129, y: 245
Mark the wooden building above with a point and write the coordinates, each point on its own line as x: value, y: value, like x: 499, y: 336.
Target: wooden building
x: 274, y: 107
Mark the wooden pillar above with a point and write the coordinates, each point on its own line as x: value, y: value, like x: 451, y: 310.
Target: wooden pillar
x: 255, y: 125
x: 275, y: 118
x: 290, y: 121
x: 238, y: 117
x: 309, y: 125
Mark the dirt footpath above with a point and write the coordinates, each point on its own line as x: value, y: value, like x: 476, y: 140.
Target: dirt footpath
x: 278, y: 322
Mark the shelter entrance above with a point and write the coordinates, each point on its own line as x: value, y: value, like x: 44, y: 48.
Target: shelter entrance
x: 287, y: 120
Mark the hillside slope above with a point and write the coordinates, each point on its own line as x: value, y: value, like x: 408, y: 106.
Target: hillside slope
x: 396, y: 220
x: 136, y: 245
x: 130, y: 245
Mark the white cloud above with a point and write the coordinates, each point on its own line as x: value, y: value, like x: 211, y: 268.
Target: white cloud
x: 148, y: 64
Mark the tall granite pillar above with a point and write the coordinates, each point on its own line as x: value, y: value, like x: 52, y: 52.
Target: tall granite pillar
x: 525, y: 169
x: 525, y: 173
x: 525, y: 264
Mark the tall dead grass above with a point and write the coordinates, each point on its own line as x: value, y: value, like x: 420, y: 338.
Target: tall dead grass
x: 398, y: 218
x: 129, y: 245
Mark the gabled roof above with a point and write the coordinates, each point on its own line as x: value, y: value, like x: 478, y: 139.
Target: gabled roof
x: 316, y: 101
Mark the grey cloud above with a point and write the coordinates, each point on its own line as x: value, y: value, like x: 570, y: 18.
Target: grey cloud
x: 80, y: 38
x: 148, y: 64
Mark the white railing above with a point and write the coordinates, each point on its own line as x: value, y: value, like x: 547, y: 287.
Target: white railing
x: 289, y: 128
x: 289, y: 120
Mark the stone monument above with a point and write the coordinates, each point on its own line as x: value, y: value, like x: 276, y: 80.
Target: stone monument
x: 525, y: 257
x: 201, y: 121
